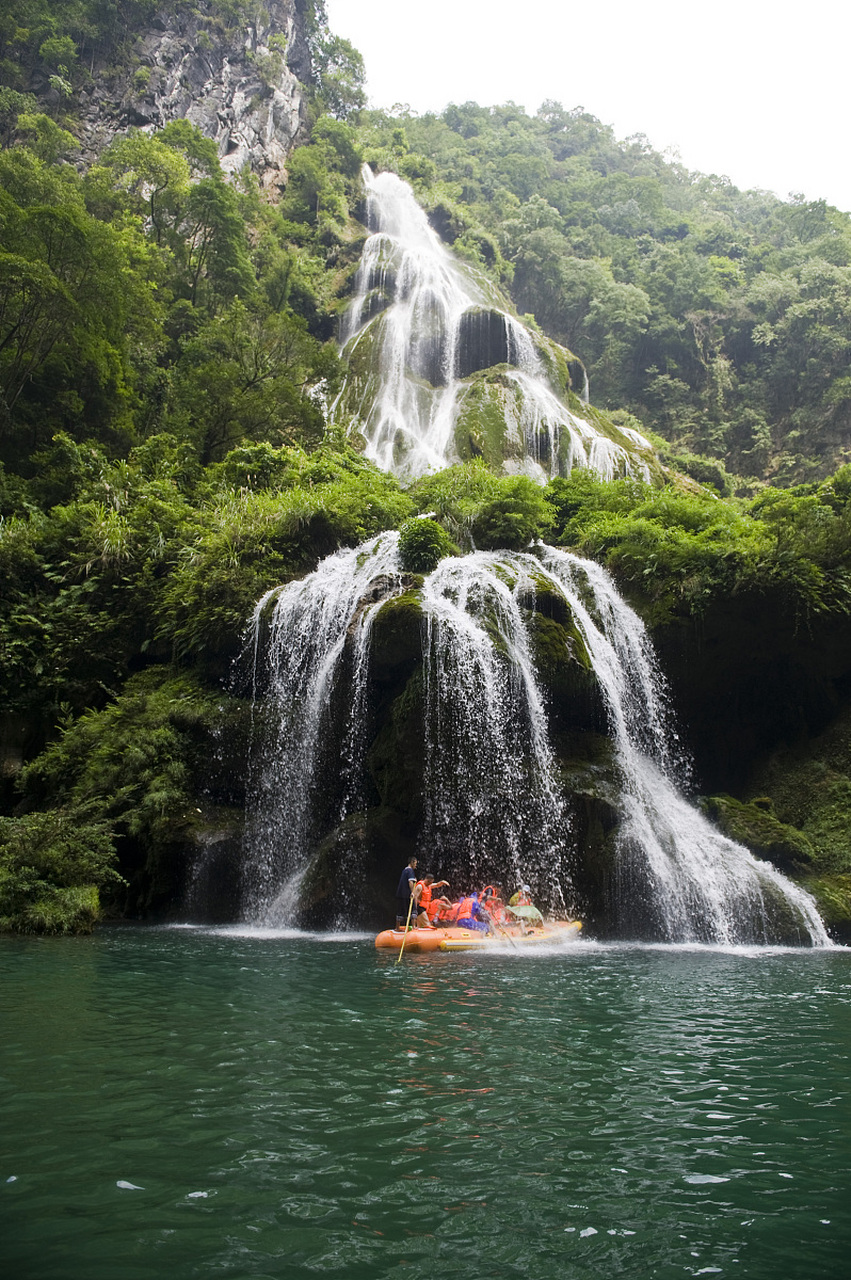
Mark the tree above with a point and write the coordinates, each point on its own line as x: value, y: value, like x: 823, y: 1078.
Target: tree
x: 154, y: 174
x: 340, y: 74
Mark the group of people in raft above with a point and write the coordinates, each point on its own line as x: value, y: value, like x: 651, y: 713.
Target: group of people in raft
x: 417, y: 905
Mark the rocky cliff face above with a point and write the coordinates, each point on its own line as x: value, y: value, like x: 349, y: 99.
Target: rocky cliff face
x: 244, y: 86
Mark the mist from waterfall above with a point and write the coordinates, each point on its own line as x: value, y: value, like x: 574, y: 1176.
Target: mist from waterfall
x: 492, y: 793
x: 420, y: 325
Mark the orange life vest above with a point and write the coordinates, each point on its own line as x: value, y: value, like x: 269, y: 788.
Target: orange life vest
x: 425, y: 896
x: 465, y: 909
x: 493, y: 904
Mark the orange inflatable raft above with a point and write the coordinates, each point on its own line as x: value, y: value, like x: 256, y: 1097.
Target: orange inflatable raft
x: 454, y: 939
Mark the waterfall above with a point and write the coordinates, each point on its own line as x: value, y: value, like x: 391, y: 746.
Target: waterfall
x: 420, y: 333
x: 492, y: 795
x: 297, y: 637
x: 492, y: 798
x: 673, y: 864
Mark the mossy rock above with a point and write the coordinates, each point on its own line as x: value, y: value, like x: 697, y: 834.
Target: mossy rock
x: 376, y: 301
x: 755, y: 825
x: 810, y: 785
x: 566, y: 673
x: 606, y: 427
x: 588, y: 768
x: 397, y: 632
x: 396, y: 756
x: 482, y: 341
x: 487, y: 407
x: 549, y: 606
x: 370, y: 847
x: 558, y: 363
x: 833, y: 899
x: 213, y: 866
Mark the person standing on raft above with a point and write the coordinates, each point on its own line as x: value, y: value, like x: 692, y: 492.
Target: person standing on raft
x: 407, y: 895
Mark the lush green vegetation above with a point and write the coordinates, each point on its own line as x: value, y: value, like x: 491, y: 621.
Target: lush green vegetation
x: 423, y: 543
x: 166, y: 347
x: 166, y: 359
x: 676, y: 551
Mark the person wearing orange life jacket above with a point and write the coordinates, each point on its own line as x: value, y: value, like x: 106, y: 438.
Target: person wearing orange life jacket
x: 438, y: 907
x: 472, y: 915
x: 492, y: 902
x: 427, y: 904
x: 448, y: 915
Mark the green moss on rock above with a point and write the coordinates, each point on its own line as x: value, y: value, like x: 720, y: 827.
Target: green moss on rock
x: 810, y: 786
x: 833, y: 898
x: 397, y: 631
x: 396, y: 757
x: 756, y: 825
x: 488, y: 403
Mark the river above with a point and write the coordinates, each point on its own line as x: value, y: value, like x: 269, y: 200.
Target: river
x: 184, y: 1102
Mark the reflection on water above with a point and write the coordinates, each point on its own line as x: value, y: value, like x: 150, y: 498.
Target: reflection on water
x: 245, y: 1103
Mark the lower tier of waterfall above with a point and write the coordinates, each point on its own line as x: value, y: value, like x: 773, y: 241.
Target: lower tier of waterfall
x: 503, y: 718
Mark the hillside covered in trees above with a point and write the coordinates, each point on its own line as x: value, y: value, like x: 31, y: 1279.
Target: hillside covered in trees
x: 168, y: 357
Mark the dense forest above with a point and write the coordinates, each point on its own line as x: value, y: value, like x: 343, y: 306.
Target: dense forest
x: 167, y: 358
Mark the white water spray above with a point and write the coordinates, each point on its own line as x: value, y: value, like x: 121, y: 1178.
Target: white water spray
x: 491, y: 788
x: 677, y: 868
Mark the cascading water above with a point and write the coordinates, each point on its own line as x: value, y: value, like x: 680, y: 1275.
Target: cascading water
x: 492, y: 798
x: 439, y: 371
x: 421, y: 330
x: 492, y: 795
x: 308, y: 623
x: 672, y: 863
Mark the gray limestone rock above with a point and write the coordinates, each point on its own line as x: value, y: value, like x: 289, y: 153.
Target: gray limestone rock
x: 237, y: 87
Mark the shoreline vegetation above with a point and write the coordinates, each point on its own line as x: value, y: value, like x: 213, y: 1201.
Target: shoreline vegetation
x: 167, y: 354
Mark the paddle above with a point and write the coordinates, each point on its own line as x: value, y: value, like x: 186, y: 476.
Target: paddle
x: 503, y: 929
x: 500, y: 926
x: 407, y: 924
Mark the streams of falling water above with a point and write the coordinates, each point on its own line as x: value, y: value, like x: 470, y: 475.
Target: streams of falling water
x: 308, y: 623
x: 415, y: 314
x: 491, y: 786
x: 674, y: 864
x: 491, y: 789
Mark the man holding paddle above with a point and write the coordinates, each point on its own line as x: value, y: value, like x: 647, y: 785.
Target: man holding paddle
x: 407, y: 895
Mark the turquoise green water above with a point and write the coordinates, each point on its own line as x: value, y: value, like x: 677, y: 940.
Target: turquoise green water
x: 203, y: 1104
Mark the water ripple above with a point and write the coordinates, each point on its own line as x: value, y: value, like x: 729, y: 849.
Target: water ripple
x: 240, y: 1104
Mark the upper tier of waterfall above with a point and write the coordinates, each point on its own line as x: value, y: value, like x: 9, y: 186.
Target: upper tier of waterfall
x: 440, y: 371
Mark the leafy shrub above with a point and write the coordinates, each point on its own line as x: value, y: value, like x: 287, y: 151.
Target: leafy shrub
x: 480, y: 509
x: 52, y: 866
x: 241, y: 544
x: 423, y: 543
x: 512, y: 519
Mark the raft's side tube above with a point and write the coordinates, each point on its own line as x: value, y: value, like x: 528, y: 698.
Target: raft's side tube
x: 454, y: 939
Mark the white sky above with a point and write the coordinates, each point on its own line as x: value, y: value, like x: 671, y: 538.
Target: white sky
x: 754, y: 90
